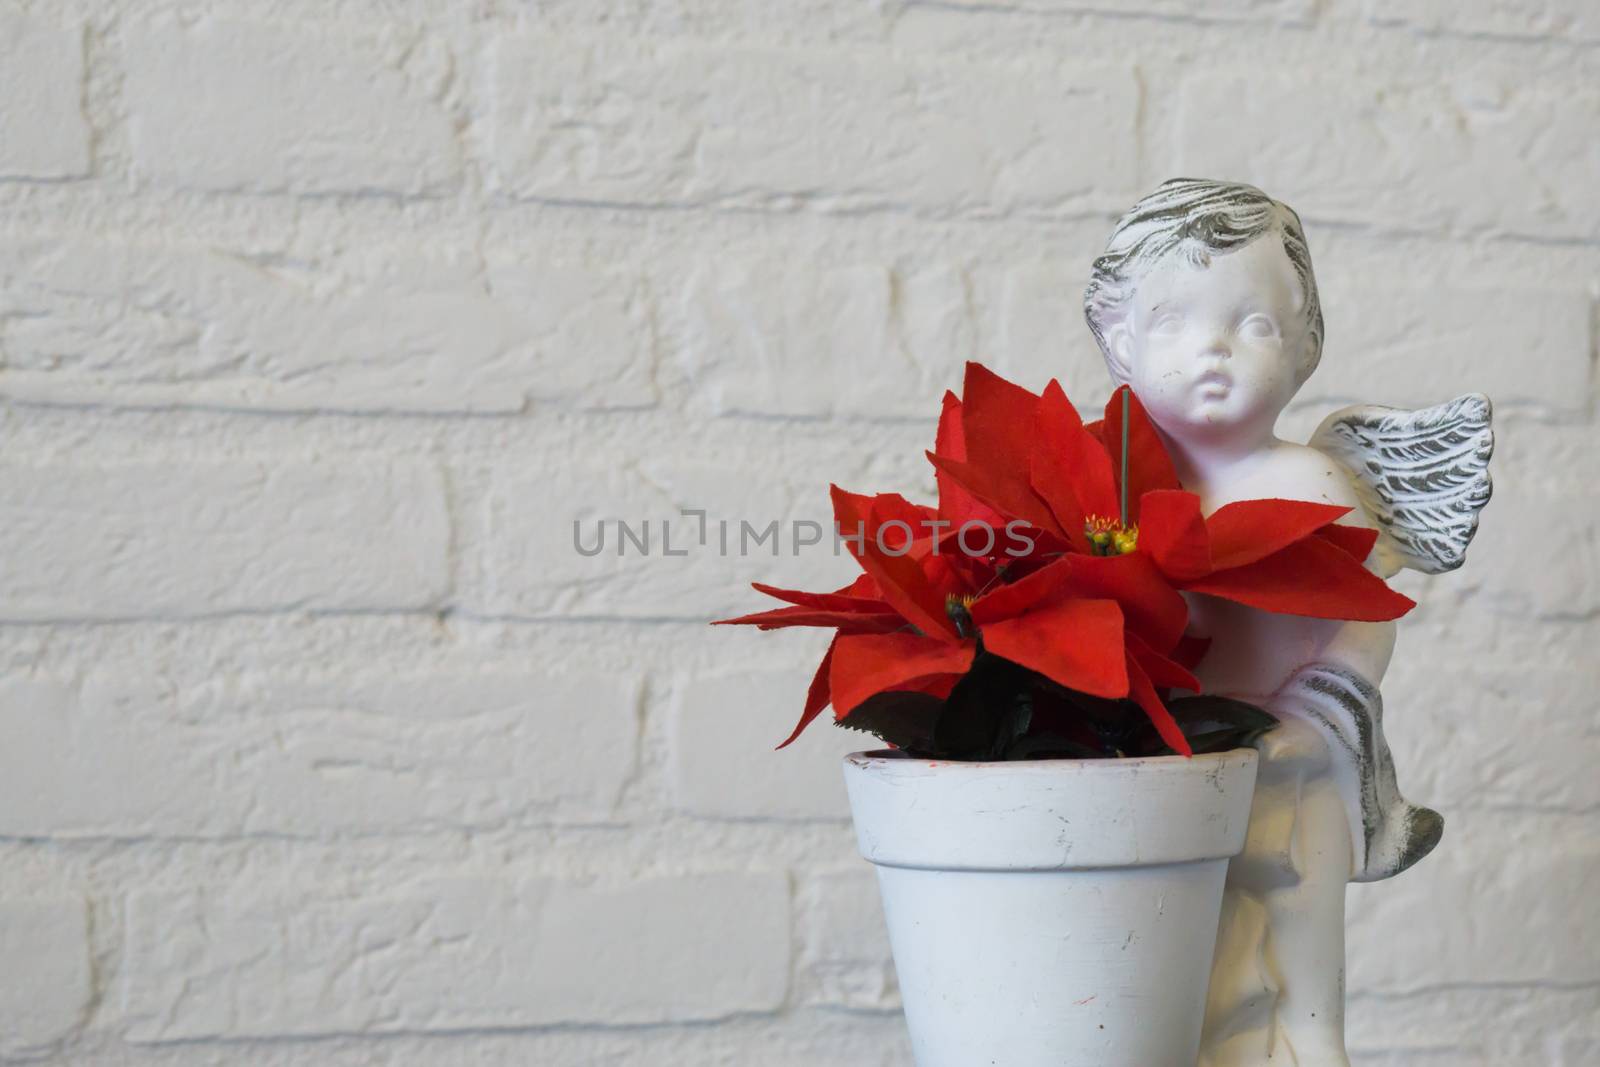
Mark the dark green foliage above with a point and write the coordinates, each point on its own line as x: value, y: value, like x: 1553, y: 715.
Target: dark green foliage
x: 1002, y: 711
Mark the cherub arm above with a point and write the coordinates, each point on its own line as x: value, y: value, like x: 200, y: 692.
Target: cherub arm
x: 1421, y: 477
x: 1338, y: 691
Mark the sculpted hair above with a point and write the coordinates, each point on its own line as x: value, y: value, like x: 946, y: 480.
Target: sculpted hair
x: 1197, y: 218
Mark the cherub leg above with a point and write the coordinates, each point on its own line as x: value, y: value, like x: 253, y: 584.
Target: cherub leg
x: 1277, y: 983
x: 1305, y: 923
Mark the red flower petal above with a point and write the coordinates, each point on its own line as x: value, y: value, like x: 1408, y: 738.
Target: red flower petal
x: 863, y: 588
x: 1077, y: 643
x: 1144, y: 694
x: 1004, y: 488
x: 1163, y: 672
x: 1190, y: 650
x: 1069, y: 469
x: 996, y: 419
x: 1311, y: 577
x: 896, y: 522
x: 1149, y: 466
x: 951, y: 440
x: 817, y: 696
x: 848, y: 622
x: 1048, y: 583
x: 1152, y: 606
x: 1173, y: 531
x: 846, y: 599
x: 1356, y: 540
x: 1248, y: 530
x: 866, y: 665
x: 956, y: 504
x: 996, y: 440
x: 951, y: 570
x: 900, y: 578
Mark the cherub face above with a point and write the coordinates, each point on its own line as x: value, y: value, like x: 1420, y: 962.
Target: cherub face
x: 1215, y: 350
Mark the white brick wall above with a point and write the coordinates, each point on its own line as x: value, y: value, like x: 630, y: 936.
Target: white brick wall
x: 246, y: 107
x: 307, y: 960
x: 320, y: 324
x: 390, y: 326
x: 648, y: 121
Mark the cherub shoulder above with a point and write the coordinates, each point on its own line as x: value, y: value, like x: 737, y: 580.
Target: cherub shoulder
x: 1299, y: 472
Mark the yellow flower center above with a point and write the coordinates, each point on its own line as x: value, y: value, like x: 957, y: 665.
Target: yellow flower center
x: 1108, y: 537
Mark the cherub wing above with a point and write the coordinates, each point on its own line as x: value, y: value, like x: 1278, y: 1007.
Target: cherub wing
x: 1423, y: 476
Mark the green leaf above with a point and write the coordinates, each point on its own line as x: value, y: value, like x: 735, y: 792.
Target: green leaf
x: 1216, y: 723
x: 905, y: 720
x: 973, y: 722
x: 1014, y: 723
x: 1206, y: 712
x: 1050, y: 745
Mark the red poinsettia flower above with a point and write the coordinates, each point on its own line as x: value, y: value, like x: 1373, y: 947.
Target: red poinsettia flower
x: 1285, y: 556
x: 913, y: 621
x: 1030, y: 457
x: 1095, y: 601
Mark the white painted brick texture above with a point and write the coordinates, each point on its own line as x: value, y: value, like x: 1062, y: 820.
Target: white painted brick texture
x: 1456, y: 153
x: 1533, y: 20
x: 320, y: 325
x: 232, y: 105
x: 615, y: 119
x: 307, y: 754
x: 44, y: 134
x: 131, y: 540
x: 465, y: 954
x: 394, y: 326
x: 47, y: 983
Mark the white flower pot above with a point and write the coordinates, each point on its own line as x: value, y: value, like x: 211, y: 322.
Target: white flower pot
x: 1052, y: 913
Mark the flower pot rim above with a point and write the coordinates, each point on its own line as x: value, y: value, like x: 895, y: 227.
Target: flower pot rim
x: 1034, y: 815
x: 887, y: 759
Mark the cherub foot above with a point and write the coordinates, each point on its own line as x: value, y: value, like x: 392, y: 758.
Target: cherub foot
x: 1282, y: 1056
x: 1274, y: 1047
x: 1316, y: 1056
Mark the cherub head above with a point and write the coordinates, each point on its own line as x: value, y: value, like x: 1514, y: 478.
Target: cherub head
x: 1205, y: 303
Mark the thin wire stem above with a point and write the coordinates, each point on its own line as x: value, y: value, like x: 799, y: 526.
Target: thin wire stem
x: 1123, y: 503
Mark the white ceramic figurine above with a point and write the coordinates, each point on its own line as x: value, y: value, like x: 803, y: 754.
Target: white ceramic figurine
x: 1205, y: 302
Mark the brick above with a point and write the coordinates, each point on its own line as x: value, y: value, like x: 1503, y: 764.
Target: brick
x: 1490, y: 1024
x: 1443, y: 715
x: 725, y: 727
x: 1562, y: 520
x: 47, y: 978
x: 257, y: 107
x: 1440, y: 1055
x: 844, y: 960
x: 1554, y: 19
x: 1387, y: 343
x: 1042, y: 334
x: 650, y: 121
x: 44, y: 134
x: 309, y: 753
x: 1289, y: 11
x: 173, y: 539
x: 1451, y: 155
x: 470, y: 953
x: 583, y: 333
x: 862, y: 339
x: 1487, y: 905
x: 379, y: 329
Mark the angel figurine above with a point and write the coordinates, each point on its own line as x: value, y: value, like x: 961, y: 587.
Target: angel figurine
x: 1205, y: 303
